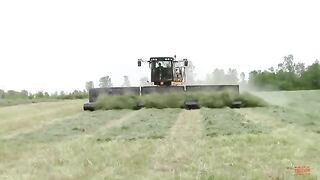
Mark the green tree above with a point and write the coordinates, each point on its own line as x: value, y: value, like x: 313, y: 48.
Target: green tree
x: 46, y: 94
x: 287, y: 65
x: 216, y: 77
x: 311, y: 77
x: 242, y: 77
x: 24, y: 93
x: 39, y: 94
x: 232, y: 76
x: 219, y: 77
x: 89, y: 85
x: 55, y: 94
x: 105, y: 82
x: 62, y: 94
x: 288, y: 76
x: 2, y: 93
x: 126, y: 81
x: 13, y: 94
x: 190, y: 73
x: 300, y: 68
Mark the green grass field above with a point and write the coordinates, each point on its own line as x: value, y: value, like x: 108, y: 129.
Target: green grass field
x: 17, y: 101
x: 57, y: 140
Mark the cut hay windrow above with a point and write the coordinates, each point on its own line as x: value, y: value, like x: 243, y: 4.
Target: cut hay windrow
x: 161, y: 101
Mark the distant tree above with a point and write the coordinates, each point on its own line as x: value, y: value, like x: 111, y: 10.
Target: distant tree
x: 252, y: 80
x: 24, y: 93
x: 287, y: 65
x: 243, y: 82
x: 126, y: 81
x: 300, y: 68
x: 311, y: 77
x: 271, y: 69
x: 62, y: 93
x: 288, y: 76
x: 31, y: 96
x: 75, y: 95
x: 219, y: 77
x: 12, y: 93
x: 144, y: 81
x: 105, y: 82
x: 89, y: 85
x: 2, y: 93
x: 190, y: 73
x: 46, y: 94
x: 216, y: 77
x: 232, y: 76
x: 242, y: 77
x: 55, y: 94
x: 39, y: 94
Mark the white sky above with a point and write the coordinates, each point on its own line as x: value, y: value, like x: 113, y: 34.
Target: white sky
x: 59, y: 45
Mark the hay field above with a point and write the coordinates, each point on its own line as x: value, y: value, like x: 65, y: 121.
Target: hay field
x: 57, y: 140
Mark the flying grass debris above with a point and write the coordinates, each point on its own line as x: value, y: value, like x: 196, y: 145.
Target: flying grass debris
x: 161, y: 101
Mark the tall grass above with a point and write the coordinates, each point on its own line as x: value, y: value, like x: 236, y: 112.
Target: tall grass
x: 118, y: 102
x: 176, y: 100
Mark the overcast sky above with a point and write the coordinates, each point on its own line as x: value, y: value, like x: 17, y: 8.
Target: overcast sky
x: 59, y: 45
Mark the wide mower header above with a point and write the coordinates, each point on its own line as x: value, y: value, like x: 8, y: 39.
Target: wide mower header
x: 168, y: 75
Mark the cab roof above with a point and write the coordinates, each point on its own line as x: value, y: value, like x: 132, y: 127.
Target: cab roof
x: 161, y: 59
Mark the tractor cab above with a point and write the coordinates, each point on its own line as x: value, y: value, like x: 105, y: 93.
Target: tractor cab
x: 166, y: 71
x: 161, y: 70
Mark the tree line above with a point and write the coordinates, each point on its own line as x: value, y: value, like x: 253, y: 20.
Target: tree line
x: 105, y: 82
x: 24, y: 94
x: 288, y: 75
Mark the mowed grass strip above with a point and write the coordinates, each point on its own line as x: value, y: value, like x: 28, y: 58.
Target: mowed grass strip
x: 147, y: 123
x: 28, y: 116
x: 176, y: 156
x: 257, y: 156
x: 271, y: 155
x: 228, y: 122
x: 15, y: 150
x: 81, y: 158
x: 86, y: 123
